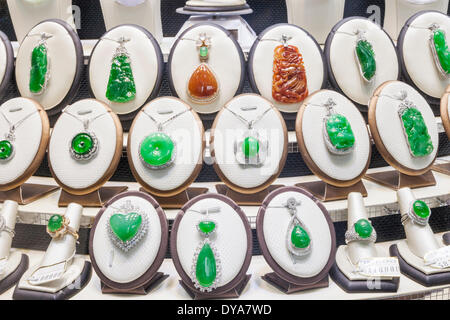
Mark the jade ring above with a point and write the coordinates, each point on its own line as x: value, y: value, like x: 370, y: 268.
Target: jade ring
x: 362, y: 231
x: 419, y: 213
x: 58, y: 227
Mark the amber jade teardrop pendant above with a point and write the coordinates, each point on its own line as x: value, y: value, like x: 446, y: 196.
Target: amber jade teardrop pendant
x: 203, y: 86
x: 289, y: 84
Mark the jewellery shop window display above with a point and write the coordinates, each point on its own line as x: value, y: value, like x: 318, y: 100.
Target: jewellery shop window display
x: 285, y: 65
x: 424, y: 38
x: 84, y: 152
x: 128, y: 243
x: 49, y: 65
x: 211, y: 246
x: 406, y: 135
x: 297, y: 238
x: 360, y: 56
x: 25, y: 131
x: 206, y: 67
x: 334, y: 142
x: 165, y: 150
x: 249, y: 147
x: 61, y: 273
x: 125, y: 69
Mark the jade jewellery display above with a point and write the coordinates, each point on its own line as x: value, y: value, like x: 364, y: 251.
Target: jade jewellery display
x: 203, y: 85
x: 419, y: 213
x: 40, y: 65
x: 362, y: 230
x: 7, y: 148
x: 206, y: 267
x: 158, y: 150
x: 414, y: 126
x: 298, y: 237
x: 84, y: 145
x: 337, y: 131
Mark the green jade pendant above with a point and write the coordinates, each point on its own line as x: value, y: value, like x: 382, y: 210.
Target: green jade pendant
x: 206, y: 269
x: 125, y: 226
x: 84, y: 146
x: 300, y: 238
x: 39, y: 69
x: 439, y: 47
x: 6, y: 150
x: 416, y: 131
x: 157, y: 150
x: 250, y: 147
x: 366, y: 59
x: 339, y: 132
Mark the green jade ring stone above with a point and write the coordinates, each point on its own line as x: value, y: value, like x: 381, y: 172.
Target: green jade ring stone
x: 6, y: 150
x: 55, y: 223
x: 157, y: 150
x: 363, y: 228
x: 250, y: 147
x: 421, y: 209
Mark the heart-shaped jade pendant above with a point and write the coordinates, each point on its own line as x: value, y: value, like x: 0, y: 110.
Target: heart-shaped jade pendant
x: 125, y: 226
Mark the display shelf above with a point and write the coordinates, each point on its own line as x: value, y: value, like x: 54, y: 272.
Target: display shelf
x: 257, y: 289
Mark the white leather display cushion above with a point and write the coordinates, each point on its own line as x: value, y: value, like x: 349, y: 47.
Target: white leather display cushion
x: 144, y: 64
x: 262, y: 64
x: 229, y: 129
x: 275, y: 226
x: 127, y: 266
x: 3, y: 61
x: 63, y: 63
x: 390, y: 126
x: 230, y: 238
x: 82, y: 174
x: 415, y: 261
x: 27, y: 137
x: 418, y: 57
x: 345, y: 66
x: 224, y: 60
x: 340, y: 167
x: 184, y: 130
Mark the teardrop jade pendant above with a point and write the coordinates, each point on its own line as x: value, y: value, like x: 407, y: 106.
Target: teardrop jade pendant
x: 203, y: 86
x: 121, y: 86
x: 300, y: 238
x: 441, y: 52
x: 416, y: 131
x: 366, y: 59
x: 39, y: 74
x: 205, y: 270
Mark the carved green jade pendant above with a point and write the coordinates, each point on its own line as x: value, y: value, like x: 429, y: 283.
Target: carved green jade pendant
x: 365, y: 56
x: 40, y: 69
x: 440, y: 50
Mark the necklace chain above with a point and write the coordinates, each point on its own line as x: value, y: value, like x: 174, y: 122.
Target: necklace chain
x: 284, y: 40
x: 85, y: 122
x: 159, y: 124
x: 329, y: 105
x: 14, y: 126
x: 249, y: 124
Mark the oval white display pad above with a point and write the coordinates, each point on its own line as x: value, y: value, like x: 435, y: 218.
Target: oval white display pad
x: 126, y: 266
x: 76, y: 174
x: 226, y: 60
x: 146, y: 64
x: 6, y: 61
x: 275, y: 227
x: 390, y: 128
x: 187, y: 132
x: 65, y: 60
x: 262, y: 56
x: 416, y: 54
x: 230, y: 238
x: 343, y: 64
x: 227, y: 129
x: 338, y: 167
x: 28, y: 137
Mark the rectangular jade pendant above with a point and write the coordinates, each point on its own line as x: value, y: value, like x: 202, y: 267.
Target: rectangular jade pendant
x: 441, y: 53
x: 338, y: 134
x: 366, y: 59
x: 39, y: 72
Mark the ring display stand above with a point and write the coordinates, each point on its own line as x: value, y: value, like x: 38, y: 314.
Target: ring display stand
x: 169, y: 185
x: 82, y: 180
x: 344, y: 70
x: 29, y: 147
x: 146, y: 63
x: 67, y: 282
x: 294, y: 274
x: 225, y: 61
x: 414, y: 45
x: 261, y: 63
x: 390, y: 140
x: 134, y: 271
x: 64, y: 52
x: 233, y: 231
x: 7, y: 62
x: 348, y: 257
x: 340, y: 174
x: 420, y: 240
x: 248, y: 184
x: 15, y: 263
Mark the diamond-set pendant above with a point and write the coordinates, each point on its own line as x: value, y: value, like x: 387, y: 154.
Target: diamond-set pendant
x: 84, y: 146
x: 7, y: 150
x: 158, y: 151
x: 251, y: 148
x: 365, y: 57
x: 40, y: 68
x: 440, y: 50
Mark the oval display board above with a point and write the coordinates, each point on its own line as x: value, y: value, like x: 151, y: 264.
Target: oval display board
x: 82, y: 159
x: 207, y: 59
x: 344, y: 49
x: 304, y: 56
x: 227, y: 248
x: 49, y: 64
x: 119, y: 266
x: 445, y: 111
x: 230, y: 133
x: 125, y: 69
x: 415, y: 46
x: 169, y: 174
x: 388, y: 130
x: 23, y: 152
x: 6, y: 62
x: 274, y: 226
x: 323, y: 158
